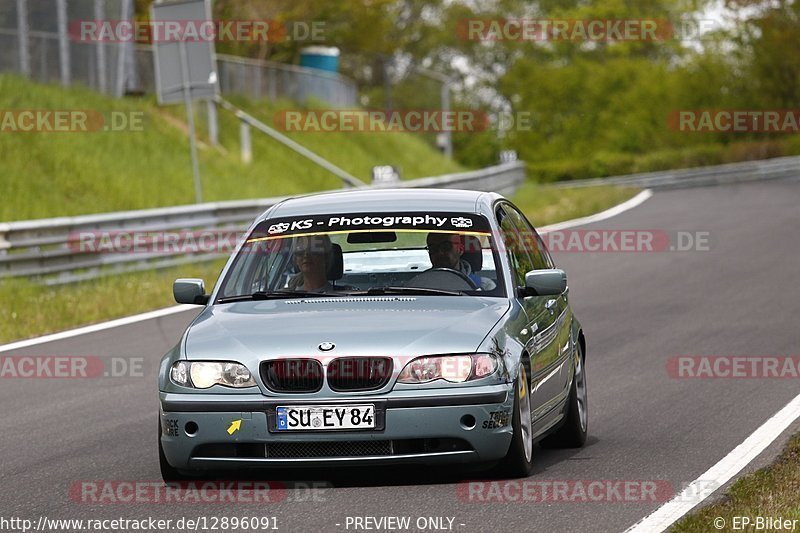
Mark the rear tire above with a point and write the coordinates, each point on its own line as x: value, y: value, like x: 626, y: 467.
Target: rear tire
x: 518, y: 462
x: 572, y: 434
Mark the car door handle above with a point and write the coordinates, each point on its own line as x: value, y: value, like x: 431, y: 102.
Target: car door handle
x: 550, y: 305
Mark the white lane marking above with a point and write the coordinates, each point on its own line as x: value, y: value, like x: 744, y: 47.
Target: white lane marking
x: 608, y: 213
x: 97, y: 327
x: 602, y: 215
x: 720, y: 473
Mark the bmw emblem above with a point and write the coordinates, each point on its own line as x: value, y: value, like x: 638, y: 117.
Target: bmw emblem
x: 326, y: 346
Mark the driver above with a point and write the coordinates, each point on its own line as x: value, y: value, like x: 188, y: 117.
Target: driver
x: 445, y: 250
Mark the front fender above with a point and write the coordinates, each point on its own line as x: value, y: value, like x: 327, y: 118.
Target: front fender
x: 166, y: 363
x: 503, y: 341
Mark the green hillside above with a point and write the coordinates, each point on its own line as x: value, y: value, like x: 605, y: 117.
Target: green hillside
x: 47, y: 174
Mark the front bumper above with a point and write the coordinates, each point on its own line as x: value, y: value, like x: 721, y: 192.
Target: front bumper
x: 417, y: 428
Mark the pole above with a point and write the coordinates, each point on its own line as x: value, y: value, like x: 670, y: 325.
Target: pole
x: 444, y: 96
x: 187, y: 98
x: 448, y: 134
x: 63, y: 43
x: 387, y: 87
x: 102, y: 74
x: 213, y: 125
x: 245, y: 142
x: 122, y: 52
x: 22, y: 36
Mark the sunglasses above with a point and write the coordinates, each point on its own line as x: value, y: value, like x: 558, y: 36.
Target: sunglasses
x: 442, y: 247
x: 305, y: 252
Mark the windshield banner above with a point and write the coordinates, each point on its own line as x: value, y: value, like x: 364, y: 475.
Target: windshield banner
x: 349, y: 222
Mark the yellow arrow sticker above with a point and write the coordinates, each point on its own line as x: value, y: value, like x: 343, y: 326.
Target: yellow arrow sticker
x: 235, y: 426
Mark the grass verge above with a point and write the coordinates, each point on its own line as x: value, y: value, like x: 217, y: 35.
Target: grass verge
x: 30, y: 309
x: 773, y: 492
x: 547, y: 205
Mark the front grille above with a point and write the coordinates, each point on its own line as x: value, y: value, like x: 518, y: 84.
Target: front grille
x: 289, y: 450
x: 359, y: 373
x: 301, y: 450
x: 292, y: 375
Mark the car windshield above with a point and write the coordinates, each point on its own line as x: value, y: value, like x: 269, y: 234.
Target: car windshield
x: 366, y: 253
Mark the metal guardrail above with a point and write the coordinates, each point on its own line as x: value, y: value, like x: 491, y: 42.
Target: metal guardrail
x: 51, y: 250
x: 503, y: 179
x: 766, y: 169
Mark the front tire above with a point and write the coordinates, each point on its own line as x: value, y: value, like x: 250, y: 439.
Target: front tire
x: 572, y: 434
x: 518, y: 462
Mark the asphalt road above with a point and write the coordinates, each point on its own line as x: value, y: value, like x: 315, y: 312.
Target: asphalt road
x: 638, y: 310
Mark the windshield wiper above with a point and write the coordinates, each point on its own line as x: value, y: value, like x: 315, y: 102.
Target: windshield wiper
x: 406, y: 290
x: 275, y: 295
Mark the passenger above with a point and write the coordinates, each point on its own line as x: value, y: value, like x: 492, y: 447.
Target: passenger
x: 312, y: 256
x: 445, y: 251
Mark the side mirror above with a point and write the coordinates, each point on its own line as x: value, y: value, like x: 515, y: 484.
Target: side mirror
x: 549, y: 282
x: 190, y: 291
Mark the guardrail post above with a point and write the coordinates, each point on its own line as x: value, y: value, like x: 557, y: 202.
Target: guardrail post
x: 245, y: 142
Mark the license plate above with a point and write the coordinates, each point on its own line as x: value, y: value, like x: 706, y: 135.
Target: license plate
x: 325, y: 417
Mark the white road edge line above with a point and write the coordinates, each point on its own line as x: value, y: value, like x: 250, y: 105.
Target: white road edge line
x: 602, y: 215
x: 608, y: 213
x: 97, y: 327
x: 720, y: 473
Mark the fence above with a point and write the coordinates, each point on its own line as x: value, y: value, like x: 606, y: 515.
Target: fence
x: 48, y: 250
x: 35, y: 42
x: 257, y: 79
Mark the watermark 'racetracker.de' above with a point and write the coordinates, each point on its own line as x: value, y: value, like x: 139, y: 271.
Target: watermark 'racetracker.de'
x: 623, y: 240
x: 69, y: 367
x: 735, y: 120
x: 167, y: 31
x: 69, y: 121
x: 566, y: 491
x: 114, y: 492
x: 733, y: 367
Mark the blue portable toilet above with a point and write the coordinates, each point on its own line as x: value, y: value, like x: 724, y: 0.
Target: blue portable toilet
x: 320, y: 57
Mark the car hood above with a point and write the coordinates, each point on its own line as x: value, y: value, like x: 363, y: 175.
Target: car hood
x: 392, y: 325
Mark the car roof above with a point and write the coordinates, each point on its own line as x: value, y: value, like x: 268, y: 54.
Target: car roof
x: 387, y: 200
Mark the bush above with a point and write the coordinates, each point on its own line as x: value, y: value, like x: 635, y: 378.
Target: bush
x: 611, y: 164
x: 603, y: 164
x: 791, y: 146
x: 565, y: 170
x: 750, y: 151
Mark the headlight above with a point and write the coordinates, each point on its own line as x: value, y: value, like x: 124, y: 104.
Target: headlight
x: 452, y: 368
x: 205, y: 374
